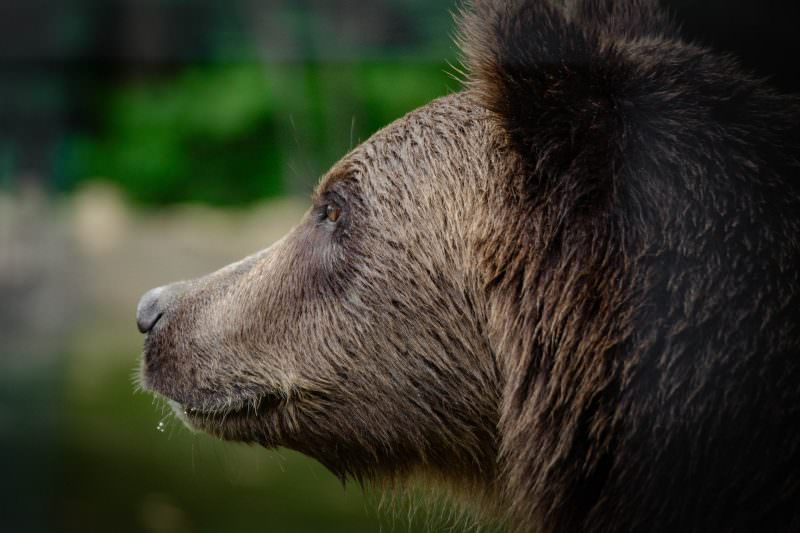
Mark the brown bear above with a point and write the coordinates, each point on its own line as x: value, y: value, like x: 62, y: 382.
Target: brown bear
x: 571, y: 288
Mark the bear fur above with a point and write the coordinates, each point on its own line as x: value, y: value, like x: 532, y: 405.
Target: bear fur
x: 572, y: 289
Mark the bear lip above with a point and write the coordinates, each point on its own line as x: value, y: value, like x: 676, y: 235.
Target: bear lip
x: 203, y: 402
x: 196, y: 411
x: 248, y: 407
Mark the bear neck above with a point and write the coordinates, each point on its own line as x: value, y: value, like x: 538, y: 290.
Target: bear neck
x: 559, y: 320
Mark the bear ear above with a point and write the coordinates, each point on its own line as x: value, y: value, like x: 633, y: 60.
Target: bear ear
x: 556, y: 77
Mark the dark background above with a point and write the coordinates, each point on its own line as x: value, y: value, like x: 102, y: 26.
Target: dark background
x: 147, y: 141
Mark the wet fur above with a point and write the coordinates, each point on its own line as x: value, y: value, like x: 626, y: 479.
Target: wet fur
x: 572, y: 288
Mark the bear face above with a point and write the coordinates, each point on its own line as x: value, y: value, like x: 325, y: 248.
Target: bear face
x: 359, y: 338
x: 572, y: 287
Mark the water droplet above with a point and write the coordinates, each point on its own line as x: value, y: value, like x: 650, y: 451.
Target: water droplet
x: 161, y: 427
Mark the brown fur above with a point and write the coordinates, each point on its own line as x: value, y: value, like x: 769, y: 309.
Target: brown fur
x: 572, y: 287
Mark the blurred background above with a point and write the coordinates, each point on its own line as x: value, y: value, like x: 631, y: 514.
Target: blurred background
x: 145, y: 141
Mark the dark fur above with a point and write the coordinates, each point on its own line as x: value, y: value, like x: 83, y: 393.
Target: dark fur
x: 652, y: 307
x: 573, y: 287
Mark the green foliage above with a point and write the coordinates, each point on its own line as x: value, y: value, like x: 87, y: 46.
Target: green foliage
x: 203, y: 136
x: 230, y: 135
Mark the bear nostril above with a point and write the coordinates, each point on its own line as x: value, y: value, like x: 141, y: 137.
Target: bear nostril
x: 149, y: 310
x: 146, y: 324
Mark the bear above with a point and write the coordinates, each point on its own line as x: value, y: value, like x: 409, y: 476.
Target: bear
x: 569, y: 290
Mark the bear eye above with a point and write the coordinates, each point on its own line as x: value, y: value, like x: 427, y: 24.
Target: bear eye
x: 332, y: 212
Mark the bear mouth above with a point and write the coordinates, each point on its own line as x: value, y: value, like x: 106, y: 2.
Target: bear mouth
x: 235, y: 421
x: 206, y: 408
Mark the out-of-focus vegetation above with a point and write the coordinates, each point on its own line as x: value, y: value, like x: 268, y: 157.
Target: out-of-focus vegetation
x: 198, y: 101
x: 226, y: 135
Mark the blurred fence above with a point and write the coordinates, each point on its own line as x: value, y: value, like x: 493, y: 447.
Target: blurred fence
x: 207, y: 101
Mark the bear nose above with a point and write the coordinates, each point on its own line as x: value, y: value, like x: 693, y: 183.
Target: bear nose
x: 150, y: 309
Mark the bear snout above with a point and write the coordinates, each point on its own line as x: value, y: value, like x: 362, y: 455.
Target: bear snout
x: 154, y: 304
